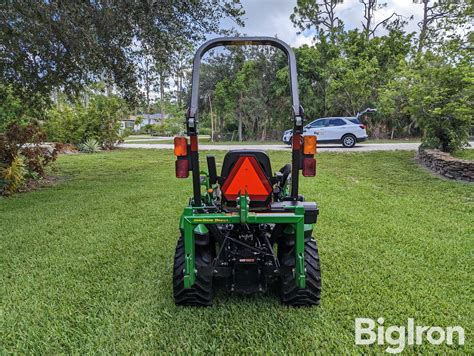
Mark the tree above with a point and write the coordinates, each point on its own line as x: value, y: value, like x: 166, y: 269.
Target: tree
x: 320, y: 15
x: 442, y: 18
x: 18, y: 107
x: 441, y: 97
x: 369, y: 26
x: 352, y: 87
x: 147, y: 75
x: 68, y: 44
x: 393, y: 102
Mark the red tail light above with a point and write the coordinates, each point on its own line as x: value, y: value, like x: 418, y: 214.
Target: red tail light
x: 182, y: 168
x: 296, y: 142
x: 309, y: 167
x: 362, y: 126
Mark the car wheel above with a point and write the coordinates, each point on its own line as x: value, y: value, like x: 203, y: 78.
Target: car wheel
x: 348, y: 141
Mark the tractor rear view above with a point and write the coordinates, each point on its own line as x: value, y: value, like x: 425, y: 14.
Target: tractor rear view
x: 247, y: 227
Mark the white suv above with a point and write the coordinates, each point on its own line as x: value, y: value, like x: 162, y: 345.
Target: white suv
x: 344, y: 130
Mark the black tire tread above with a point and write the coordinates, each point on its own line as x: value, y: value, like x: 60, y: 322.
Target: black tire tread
x: 201, y: 293
x: 290, y: 294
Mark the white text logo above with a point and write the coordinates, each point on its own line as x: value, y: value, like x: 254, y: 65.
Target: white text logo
x: 367, y: 333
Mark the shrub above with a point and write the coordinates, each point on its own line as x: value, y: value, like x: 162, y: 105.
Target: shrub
x: 441, y: 99
x: 90, y: 146
x: 66, y: 124
x: 148, y: 128
x: 205, y: 130
x: 76, y: 122
x: 169, y: 127
x: 12, y: 176
x: 18, y: 106
x: 125, y: 133
x: 26, y: 141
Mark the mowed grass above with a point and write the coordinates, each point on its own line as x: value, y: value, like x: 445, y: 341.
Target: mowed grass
x: 86, y: 265
x: 465, y: 154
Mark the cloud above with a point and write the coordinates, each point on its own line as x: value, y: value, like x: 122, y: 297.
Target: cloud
x: 272, y: 17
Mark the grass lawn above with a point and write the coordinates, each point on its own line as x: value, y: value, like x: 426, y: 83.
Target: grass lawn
x: 465, y: 154
x: 86, y: 265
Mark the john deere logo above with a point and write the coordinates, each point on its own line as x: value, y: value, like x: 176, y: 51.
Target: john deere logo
x: 210, y: 220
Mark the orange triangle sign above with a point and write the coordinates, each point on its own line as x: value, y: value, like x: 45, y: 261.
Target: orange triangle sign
x: 247, y: 176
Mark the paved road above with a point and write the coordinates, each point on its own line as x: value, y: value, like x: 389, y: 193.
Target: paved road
x: 321, y: 148
x: 153, y: 138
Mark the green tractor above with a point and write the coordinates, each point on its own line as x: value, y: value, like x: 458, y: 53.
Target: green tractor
x: 247, y: 228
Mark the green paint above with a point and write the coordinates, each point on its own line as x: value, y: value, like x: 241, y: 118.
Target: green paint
x: 193, y: 223
x: 201, y: 229
x: 189, y: 268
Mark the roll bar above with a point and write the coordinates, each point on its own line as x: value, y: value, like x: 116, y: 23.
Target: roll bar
x: 191, y: 116
x: 242, y: 41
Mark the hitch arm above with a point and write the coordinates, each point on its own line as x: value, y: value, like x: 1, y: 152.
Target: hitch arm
x: 191, y: 219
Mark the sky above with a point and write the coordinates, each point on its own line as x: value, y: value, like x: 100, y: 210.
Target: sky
x: 272, y: 17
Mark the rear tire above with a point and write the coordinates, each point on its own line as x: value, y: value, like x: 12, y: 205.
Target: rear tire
x: 348, y: 140
x: 201, y: 293
x: 290, y: 294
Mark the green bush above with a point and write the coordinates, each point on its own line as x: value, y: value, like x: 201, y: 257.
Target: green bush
x: 18, y: 107
x: 169, y: 126
x: 204, y: 131
x: 76, y: 123
x: 67, y: 123
x: 148, y: 129
x: 127, y: 132
x: 441, y: 98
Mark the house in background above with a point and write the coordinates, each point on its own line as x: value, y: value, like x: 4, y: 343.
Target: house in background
x: 137, y: 122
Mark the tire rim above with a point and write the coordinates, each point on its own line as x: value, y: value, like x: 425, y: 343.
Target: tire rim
x: 348, y: 141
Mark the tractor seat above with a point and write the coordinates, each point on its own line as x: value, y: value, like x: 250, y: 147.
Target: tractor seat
x: 246, y: 171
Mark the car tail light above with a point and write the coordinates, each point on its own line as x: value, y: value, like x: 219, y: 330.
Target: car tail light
x: 362, y: 126
x: 309, y: 167
x: 180, y: 146
x: 182, y: 168
x: 309, y: 145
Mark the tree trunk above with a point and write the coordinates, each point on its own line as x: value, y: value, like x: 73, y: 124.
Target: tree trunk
x: 240, y: 118
x: 212, y: 118
x: 368, y: 17
x: 424, y: 27
x: 147, y: 93
x: 162, y: 96
x: 240, y: 126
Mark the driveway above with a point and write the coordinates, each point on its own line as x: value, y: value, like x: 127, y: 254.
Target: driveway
x: 321, y: 148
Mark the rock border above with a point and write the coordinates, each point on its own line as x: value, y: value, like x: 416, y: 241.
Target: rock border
x: 446, y: 165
